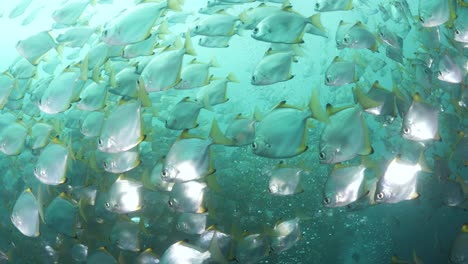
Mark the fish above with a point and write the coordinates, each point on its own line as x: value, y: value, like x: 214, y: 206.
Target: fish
x: 25, y: 214
x: 188, y: 197
x: 252, y: 248
x: 287, y: 140
x: 126, y: 235
x: 147, y: 256
x: 21, y: 69
x: 40, y: 135
x: 34, y: 47
x: 125, y: 83
x: 7, y: 83
x: 143, y: 48
x: 345, y: 185
x: 328, y: 6
x: 59, y: 95
x: 449, y: 70
x: 184, y: 253
x: 377, y: 101
x: 341, y: 72
x: 52, y: 163
x: 124, y: 196
x: 285, y: 234
x: 434, y: 13
x: 273, y: 68
x: 399, y: 181
x: 215, y: 92
x: 241, y: 131
x: 101, y: 255
x: 79, y: 252
x: 189, y: 157
x: 211, y: 237
x: 122, y: 129
x: 357, y: 37
x: 452, y: 193
x: 69, y: 13
x: 92, y: 124
x: 389, y: 37
x: 93, y: 97
x: 192, y: 224
x: 12, y: 139
x: 458, y: 253
x: 214, y: 41
x: 253, y: 15
x: 345, y: 136
x: 460, y: 25
x: 119, y: 162
x: 19, y: 9
x: 421, y: 121
x: 284, y: 27
x: 31, y: 16
x: 135, y: 23
x: 218, y: 24
x: 184, y: 114
x: 77, y: 37
x: 62, y: 215
x: 285, y: 180
x: 196, y: 74
x: 163, y: 71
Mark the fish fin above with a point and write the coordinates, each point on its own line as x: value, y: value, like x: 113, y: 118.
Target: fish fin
x: 414, y: 195
x: 206, y: 102
x: 367, y: 145
x: 84, y: 68
x: 315, y: 20
x: 363, y: 99
x: 188, y: 45
x: 163, y: 28
x: 143, y: 95
x: 215, y: 251
x: 417, y: 97
x: 422, y: 162
x: 213, y: 63
x: 174, y: 5
x: 316, y: 108
x: 213, y: 184
x: 218, y: 136
x: 283, y: 104
x: 232, y: 78
x: 112, y: 80
x: 258, y: 116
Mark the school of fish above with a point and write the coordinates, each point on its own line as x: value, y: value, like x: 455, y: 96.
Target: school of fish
x: 144, y: 139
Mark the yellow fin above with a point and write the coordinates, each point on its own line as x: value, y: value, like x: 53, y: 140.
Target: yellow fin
x: 218, y: 136
x: 188, y: 46
x: 316, y: 108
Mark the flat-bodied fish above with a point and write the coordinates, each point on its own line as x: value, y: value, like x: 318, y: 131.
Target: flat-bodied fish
x: 219, y: 24
x: 122, y: 130
x: 196, y: 74
x: 12, y: 139
x: 62, y: 215
x: 120, y: 162
x: 126, y: 235
x: 333, y: 5
x: 434, y: 13
x: 40, y: 134
x: 287, y: 140
x: 449, y: 70
x: 341, y: 72
x: 216, y: 91
x: 285, y: 235
x: 273, y: 68
x: 252, y: 248
x: 398, y: 183
x: 51, y: 165
x: 188, y: 197
x: 458, y: 252
x: 59, y: 94
x: 345, y: 185
x: 285, y: 180
x: 344, y: 137
x: 93, y: 97
x: 184, y: 253
x: 92, y: 124
x: 69, y: 13
x: 19, y: 9
x: 184, y: 114
x: 124, y: 196
x: 189, y: 158
x: 34, y: 47
x: 190, y: 223
x: 241, y: 131
x: 284, y: 27
x: 377, y: 101
x: 358, y: 37
x: 421, y: 122
x: 25, y: 215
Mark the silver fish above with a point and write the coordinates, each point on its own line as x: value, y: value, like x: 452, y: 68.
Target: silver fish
x: 345, y: 185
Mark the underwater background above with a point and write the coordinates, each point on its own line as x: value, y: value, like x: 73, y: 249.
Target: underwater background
x: 416, y: 230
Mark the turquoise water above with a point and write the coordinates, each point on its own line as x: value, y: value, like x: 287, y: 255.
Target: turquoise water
x: 359, y: 233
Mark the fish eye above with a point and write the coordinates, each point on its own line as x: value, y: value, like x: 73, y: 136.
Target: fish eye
x: 317, y: 5
x: 35, y: 170
x: 406, y: 130
x: 322, y: 155
x: 104, y: 33
x: 107, y: 204
x: 165, y: 173
x: 457, y: 32
x: 99, y: 142
x: 197, y: 27
x: 171, y: 203
x: 105, y: 164
x: 421, y: 19
x: 255, y: 30
x: 254, y: 145
x: 381, y: 34
x: 326, y: 200
x: 254, y: 78
x: 439, y: 73
x: 346, y: 39
x: 327, y: 79
x: 273, y: 189
x: 380, y: 195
